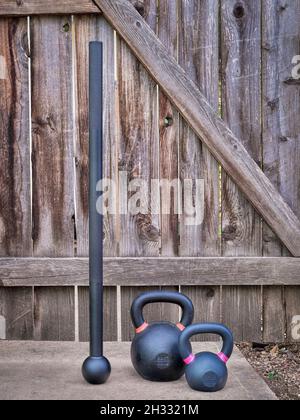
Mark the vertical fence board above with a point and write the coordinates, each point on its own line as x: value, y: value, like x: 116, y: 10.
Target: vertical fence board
x: 274, y: 315
x: 198, y: 54
x: 241, y: 109
x: 54, y: 314
x: 167, y: 31
x: 90, y: 28
x: 242, y: 312
x: 281, y: 107
x: 15, y: 208
x: 52, y: 137
x: 138, y: 152
x: 281, y: 136
x: 169, y: 132
x: 292, y: 303
x: 16, y: 309
x: 241, y: 106
x: 110, y: 314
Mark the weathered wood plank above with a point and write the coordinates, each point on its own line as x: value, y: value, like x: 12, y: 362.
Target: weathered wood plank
x: 54, y: 314
x: 138, y: 145
x: 15, y: 208
x: 242, y: 312
x: 40, y: 7
x: 198, y: 56
x: 274, y: 315
x: 281, y: 107
x: 292, y: 303
x: 281, y: 135
x: 153, y: 271
x: 138, y: 154
x: 110, y: 314
x: 52, y: 137
x: 17, y: 312
x: 167, y: 31
x: 241, y: 110
x: 195, y: 108
x: 90, y: 28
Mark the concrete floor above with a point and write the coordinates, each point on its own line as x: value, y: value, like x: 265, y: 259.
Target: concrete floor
x: 52, y: 371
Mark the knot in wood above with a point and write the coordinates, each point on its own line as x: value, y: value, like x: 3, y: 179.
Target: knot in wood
x: 239, y: 11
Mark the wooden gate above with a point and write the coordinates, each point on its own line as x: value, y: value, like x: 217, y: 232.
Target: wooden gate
x: 240, y: 54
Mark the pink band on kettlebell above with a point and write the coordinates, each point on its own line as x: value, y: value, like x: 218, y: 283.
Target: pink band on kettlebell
x: 223, y: 357
x: 189, y: 359
x: 180, y: 326
x: 142, y: 328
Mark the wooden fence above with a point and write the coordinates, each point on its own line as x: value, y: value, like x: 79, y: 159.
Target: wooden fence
x: 236, y: 270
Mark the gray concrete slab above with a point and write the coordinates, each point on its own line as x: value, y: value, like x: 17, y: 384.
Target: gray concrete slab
x: 52, y: 371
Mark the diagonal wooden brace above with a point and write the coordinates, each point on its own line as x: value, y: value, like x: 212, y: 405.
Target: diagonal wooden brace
x: 198, y: 113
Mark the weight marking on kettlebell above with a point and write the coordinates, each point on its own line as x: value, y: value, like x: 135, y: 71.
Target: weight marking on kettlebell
x: 162, y: 361
x: 210, y: 380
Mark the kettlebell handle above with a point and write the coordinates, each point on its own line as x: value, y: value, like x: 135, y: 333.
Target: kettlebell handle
x: 218, y: 329
x: 165, y: 297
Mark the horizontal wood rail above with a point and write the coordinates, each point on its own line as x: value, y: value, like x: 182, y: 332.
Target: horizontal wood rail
x: 194, y: 107
x: 51, y: 7
x: 153, y: 272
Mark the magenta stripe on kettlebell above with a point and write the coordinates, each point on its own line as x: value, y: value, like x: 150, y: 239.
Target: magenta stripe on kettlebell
x: 223, y: 357
x: 189, y: 359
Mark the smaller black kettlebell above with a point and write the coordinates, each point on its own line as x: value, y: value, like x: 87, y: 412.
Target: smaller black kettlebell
x: 206, y: 372
x: 155, y: 348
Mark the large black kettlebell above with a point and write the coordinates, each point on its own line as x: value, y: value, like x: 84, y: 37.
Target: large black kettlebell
x: 154, y: 351
x: 206, y: 372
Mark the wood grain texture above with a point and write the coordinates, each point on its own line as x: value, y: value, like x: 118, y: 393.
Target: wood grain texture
x: 281, y: 132
x: 54, y: 314
x: 110, y: 314
x: 52, y: 137
x: 241, y: 110
x: 194, y: 107
x: 16, y: 308
x: 138, y: 154
x: 198, y: 56
x: 138, y: 145
x: 292, y: 303
x: 242, y: 313
x: 153, y: 271
x: 167, y: 31
x: 87, y: 29
x: 281, y: 107
x: 15, y: 208
x: 274, y: 314
x: 40, y: 7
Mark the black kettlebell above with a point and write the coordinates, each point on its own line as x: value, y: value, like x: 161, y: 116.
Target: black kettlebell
x: 206, y: 372
x: 154, y: 352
